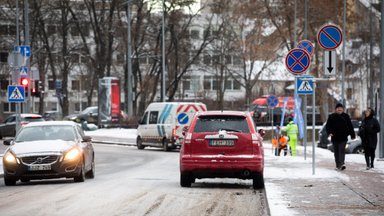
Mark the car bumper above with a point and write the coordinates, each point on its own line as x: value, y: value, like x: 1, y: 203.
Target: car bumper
x: 58, y: 169
x: 212, y: 167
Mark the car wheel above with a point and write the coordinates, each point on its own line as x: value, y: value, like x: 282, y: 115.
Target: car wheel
x: 258, y: 181
x: 165, y: 145
x: 139, y: 143
x: 9, y: 181
x: 91, y: 173
x: 359, y: 150
x: 185, y: 180
x: 81, y: 176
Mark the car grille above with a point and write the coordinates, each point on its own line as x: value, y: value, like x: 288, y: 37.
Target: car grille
x: 45, y: 159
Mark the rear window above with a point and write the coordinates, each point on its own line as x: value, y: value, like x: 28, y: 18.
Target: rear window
x: 217, y: 123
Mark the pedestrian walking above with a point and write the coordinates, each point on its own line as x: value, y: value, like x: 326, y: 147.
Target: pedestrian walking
x: 339, y: 127
x: 292, y: 130
x: 368, y: 133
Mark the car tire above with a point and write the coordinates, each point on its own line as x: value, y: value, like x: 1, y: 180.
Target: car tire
x: 91, y: 173
x: 358, y: 150
x: 139, y: 143
x: 258, y: 181
x: 81, y: 176
x: 185, y: 180
x: 9, y: 181
x: 165, y: 145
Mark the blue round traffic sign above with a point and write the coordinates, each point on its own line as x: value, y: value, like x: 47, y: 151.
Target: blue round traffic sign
x: 306, y: 45
x: 183, y: 118
x: 330, y: 37
x: 272, y: 101
x: 297, y: 61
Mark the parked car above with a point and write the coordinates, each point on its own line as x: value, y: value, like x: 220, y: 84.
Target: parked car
x: 90, y: 114
x: 8, y: 127
x: 353, y: 146
x: 50, y: 149
x: 323, y: 136
x: 222, y: 144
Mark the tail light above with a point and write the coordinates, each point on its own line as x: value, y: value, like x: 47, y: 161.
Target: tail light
x: 255, y: 140
x: 187, y: 139
x: 23, y: 123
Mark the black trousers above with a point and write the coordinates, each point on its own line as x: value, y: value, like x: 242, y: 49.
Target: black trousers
x: 339, y: 152
x: 369, y: 154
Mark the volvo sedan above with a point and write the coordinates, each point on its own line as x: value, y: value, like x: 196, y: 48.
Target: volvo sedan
x: 51, y: 149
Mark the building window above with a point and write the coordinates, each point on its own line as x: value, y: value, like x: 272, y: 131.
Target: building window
x: 236, y: 85
x: 51, y: 85
x: 4, y: 84
x: 52, y: 106
x: 349, y: 93
x: 76, y: 85
x: 195, y: 34
x: 9, y: 107
x: 187, y: 84
x: 3, y: 57
x: 51, y: 29
x: 207, y: 59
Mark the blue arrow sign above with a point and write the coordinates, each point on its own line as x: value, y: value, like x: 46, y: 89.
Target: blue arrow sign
x: 183, y: 118
x: 297, y: 61
x: 24, y: 50
x: 306, y: 45
x: 304, y: 85
x: 272, y: 101
x: 16, y: 93
x: 330, y: 37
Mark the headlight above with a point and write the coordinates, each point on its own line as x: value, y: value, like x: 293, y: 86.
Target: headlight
x: 72, y: 154
x: 10, y: 158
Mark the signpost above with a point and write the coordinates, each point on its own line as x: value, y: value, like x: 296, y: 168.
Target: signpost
x: 304, y: 85
x: 297, y: 61
x: 272, y: 102
x: 329, y: 37
x: 330, y: 63
x: 307, y: 46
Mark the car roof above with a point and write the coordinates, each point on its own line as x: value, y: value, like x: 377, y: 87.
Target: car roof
x: 225, y: 112
x: 52, y: 123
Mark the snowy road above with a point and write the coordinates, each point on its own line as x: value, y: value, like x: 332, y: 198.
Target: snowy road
x: 133, y: 182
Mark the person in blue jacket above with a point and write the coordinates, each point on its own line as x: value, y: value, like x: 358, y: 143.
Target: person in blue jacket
x: 339, y: 127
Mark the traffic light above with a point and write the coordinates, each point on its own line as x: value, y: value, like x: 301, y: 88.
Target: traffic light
x: 35, y: 91
x: 24, y: 81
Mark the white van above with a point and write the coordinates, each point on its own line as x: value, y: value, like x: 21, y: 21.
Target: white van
x: 163, y: 122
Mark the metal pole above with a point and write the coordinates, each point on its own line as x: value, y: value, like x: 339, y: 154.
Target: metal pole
x: 305, y: 96
x: 18, y: 105
x: 371, y: 70
x: 163, y: 56
x: 294, y: 25
x: 381, y: 140
x: 27, y: 42
x: 272, y: 127
x: 343, y: 53
x: 313, y: 128
x: 129, y: 62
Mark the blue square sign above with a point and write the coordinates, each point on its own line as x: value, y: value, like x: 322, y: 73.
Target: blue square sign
x: 16, y: 93
x: 304, y: 85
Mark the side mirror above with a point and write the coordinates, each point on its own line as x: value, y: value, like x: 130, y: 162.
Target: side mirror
x: 261, y: 132
x: 87, y: 139
x: 7, y: 141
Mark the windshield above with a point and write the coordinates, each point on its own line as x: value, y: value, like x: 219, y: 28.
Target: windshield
x: 47, y: 132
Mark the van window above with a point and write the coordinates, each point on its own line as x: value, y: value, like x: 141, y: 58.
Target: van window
x: 144, y: 119
x: 153, y: 117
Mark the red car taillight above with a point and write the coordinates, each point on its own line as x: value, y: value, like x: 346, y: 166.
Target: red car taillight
x: 23, y: 123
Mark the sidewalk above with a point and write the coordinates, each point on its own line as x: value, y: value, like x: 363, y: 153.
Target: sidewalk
x: 292, y: 189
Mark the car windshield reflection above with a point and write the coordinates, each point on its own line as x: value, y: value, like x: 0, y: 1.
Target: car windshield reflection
x: 36, y: 133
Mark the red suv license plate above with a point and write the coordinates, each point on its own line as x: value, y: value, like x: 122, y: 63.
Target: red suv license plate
x: 221, y: 142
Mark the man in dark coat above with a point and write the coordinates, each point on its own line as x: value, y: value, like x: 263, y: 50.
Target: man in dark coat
x: 368, y: 134
x: 339, y: 127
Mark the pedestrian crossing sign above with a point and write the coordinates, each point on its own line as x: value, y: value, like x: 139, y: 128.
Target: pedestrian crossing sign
x: 23, y: 71
x: 16, y: 93
x: 304, y: 85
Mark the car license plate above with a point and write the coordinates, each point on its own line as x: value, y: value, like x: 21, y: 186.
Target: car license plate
x: 39, y: 167
x: 221, y: 142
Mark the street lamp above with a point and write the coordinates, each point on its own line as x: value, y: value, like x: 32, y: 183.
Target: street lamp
x: 129, y: 61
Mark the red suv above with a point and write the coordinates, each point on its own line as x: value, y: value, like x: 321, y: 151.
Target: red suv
x: 222, y: 144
